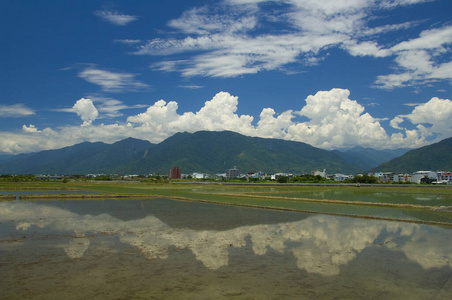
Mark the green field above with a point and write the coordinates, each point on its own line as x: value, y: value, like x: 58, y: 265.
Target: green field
x: 423, y: 204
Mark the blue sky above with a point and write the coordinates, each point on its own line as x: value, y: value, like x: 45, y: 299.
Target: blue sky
x: 333, y: 74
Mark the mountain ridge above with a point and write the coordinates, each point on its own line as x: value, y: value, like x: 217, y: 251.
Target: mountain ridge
x: 214, y: 152
x: 434, y: 157
x: 202, y: 151
x: 368, y: 158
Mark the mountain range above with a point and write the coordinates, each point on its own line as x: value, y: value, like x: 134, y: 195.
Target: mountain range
x: 434, y: 157
x: 203, y: 151
x: 368, y: 158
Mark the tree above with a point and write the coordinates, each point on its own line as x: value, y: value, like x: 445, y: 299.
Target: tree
x: 282, y: 179
x: 363, y: 179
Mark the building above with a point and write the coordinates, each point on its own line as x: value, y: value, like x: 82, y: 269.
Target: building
x: 342, y: 177
x: 402, y: 177
x: 447, y: 176
x: 423, y: 175
x: 444, y: 177
x: 232, y: 173
x: 320, y: 173
x: 174, y: 173
x: 385, y: 176
x: 200, y: 176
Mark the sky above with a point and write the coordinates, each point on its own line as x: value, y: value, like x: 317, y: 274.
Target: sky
x: 333, y: 74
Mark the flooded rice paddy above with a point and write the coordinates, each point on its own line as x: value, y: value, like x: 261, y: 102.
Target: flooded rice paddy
x: 166, y: 249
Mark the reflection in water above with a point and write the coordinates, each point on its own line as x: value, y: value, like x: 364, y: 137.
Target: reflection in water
x: 320, y: 244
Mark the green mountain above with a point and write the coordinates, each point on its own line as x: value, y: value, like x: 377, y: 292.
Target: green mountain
x: 84, y: 158
x: 208, y: 152
x: 434, y: 157
x: 367, y: 158
x: 214, y: 152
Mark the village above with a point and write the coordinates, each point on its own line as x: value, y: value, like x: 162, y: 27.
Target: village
x: 420, y: 177
x: 235, y: 175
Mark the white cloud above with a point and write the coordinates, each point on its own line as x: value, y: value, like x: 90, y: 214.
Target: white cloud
x: 217, y: 114
x: 111, y: 108
x: 330, y: 120
x: 392, y: 81
x: 395, y: 123
x: 421, y: 60
x: 32, y: 140
x: 114, y: 17
x: 431, y: 118
x: 15, y: 111
x: 418, y: 61
x: 366, y: 49
x: 336, y: 121
x: 390, y: 27
x: 428, y: 39
x: 234, y: 55
x: 191, y: 87
x: 105, y: 106
x: 274, y: 127
x: 30, y: 128
x: 86, y: 110
x: 224, y: 40
x: 128, y: 41
x: 203, y: 21
x: 111, y: 81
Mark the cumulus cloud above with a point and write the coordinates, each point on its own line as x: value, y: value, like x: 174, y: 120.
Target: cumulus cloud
x: 395, y: 123
x: 431, y: 118
x: 86, y: 110
x: 112, y: 81
x: 217, y: 114
x: 327, y: 119
x: 30, y: 128
x: 115, y: 18
x: 336, y: 121
x: 31, y: 140
x: 15, y: 111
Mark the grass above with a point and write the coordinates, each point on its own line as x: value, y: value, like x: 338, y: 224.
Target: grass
x: 423, y: 204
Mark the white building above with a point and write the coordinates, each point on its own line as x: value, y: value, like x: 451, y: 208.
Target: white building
x: 321, y: 173
x: 342, y: 177
x: 417, y: 176
x: 199, y: 176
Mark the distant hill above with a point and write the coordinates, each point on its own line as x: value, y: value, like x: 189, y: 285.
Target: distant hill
x: 4, y: 157
x: 434, y: 157
x: 204, y: 151
x: 368, y: 158
x: 84, y: 158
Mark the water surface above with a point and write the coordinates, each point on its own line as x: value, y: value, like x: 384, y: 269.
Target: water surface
x: 165, y: 249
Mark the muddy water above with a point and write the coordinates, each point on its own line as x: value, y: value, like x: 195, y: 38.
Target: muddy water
x: 164, y: 249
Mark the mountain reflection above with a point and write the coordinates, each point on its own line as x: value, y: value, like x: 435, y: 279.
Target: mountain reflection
x: 321, y: 244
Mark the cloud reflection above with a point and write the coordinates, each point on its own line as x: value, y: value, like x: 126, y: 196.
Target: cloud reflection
x: 320, y: 244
